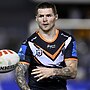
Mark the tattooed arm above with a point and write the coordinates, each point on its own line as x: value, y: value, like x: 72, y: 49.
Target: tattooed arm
x: 20, y: 76
x: 68, y: 72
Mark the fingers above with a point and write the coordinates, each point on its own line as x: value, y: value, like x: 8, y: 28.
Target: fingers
x: 40, y: 78
x: 37, y: 74
x: 41, y: 73
x: 35, y: 70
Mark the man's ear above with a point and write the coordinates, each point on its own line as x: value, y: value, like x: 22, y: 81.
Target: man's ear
x: 36, y: 18
x: 56, y: 16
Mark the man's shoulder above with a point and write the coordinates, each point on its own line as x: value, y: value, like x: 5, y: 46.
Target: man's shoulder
x: 32, y: 37
x: 65, y: 34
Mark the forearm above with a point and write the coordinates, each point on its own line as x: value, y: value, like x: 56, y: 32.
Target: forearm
x: 66, y: 72
x: 20, y: 76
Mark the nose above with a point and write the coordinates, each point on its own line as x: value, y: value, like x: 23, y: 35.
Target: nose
x: 44, y: 18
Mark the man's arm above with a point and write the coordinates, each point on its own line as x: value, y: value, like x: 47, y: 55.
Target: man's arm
x: 68, y: 72
x: 20, y: 76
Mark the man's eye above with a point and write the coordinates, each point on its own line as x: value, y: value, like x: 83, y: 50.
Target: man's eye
x: 41, y: 16
x: 48, y: 15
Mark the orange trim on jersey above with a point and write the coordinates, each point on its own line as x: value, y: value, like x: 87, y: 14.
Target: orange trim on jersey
x: 55, y: 37
x: 24, y: 63
x: 71, y: 59
x: 36, y: 60
x: 55, y: 54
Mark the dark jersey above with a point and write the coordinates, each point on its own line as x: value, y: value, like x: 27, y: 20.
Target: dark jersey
x: 36, y: 51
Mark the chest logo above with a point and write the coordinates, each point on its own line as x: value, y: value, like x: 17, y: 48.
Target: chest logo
x: 51, y: 46
x: 39, y: 52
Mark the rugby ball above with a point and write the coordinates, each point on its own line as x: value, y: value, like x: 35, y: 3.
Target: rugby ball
x: 8, y: 60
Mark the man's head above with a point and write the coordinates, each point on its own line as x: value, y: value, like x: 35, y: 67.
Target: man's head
x: 46, y: 15
x: 46, y: 5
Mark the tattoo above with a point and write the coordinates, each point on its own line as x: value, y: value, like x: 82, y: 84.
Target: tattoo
x: 20, y: 76
x: 65, y: 73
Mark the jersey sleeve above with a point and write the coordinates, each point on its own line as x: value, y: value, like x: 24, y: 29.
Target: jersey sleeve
x: 71, y: 50
x: 24, y: 53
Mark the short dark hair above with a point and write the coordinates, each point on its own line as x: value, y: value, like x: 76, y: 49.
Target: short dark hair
x: 46, y: 5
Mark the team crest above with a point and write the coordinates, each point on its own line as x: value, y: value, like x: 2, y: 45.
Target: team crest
x: 39, y: 52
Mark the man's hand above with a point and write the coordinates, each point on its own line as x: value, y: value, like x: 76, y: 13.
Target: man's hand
x: 68, y: 72
x: 42, y: 72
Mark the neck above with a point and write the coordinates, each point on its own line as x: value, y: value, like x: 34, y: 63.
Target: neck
x: 50, y: 35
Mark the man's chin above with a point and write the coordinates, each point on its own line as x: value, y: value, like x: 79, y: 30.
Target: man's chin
x: 46, y: 30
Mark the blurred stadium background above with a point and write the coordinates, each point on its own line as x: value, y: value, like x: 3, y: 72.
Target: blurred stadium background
x: 17, y: 22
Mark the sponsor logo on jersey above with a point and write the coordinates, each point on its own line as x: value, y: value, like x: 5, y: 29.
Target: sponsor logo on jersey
x: 74, y: 52
x: 22, y: 52
x: 39, y: 52
x: 51, y: 46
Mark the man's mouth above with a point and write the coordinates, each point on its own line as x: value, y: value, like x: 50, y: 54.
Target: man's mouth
x: 45, y: 24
